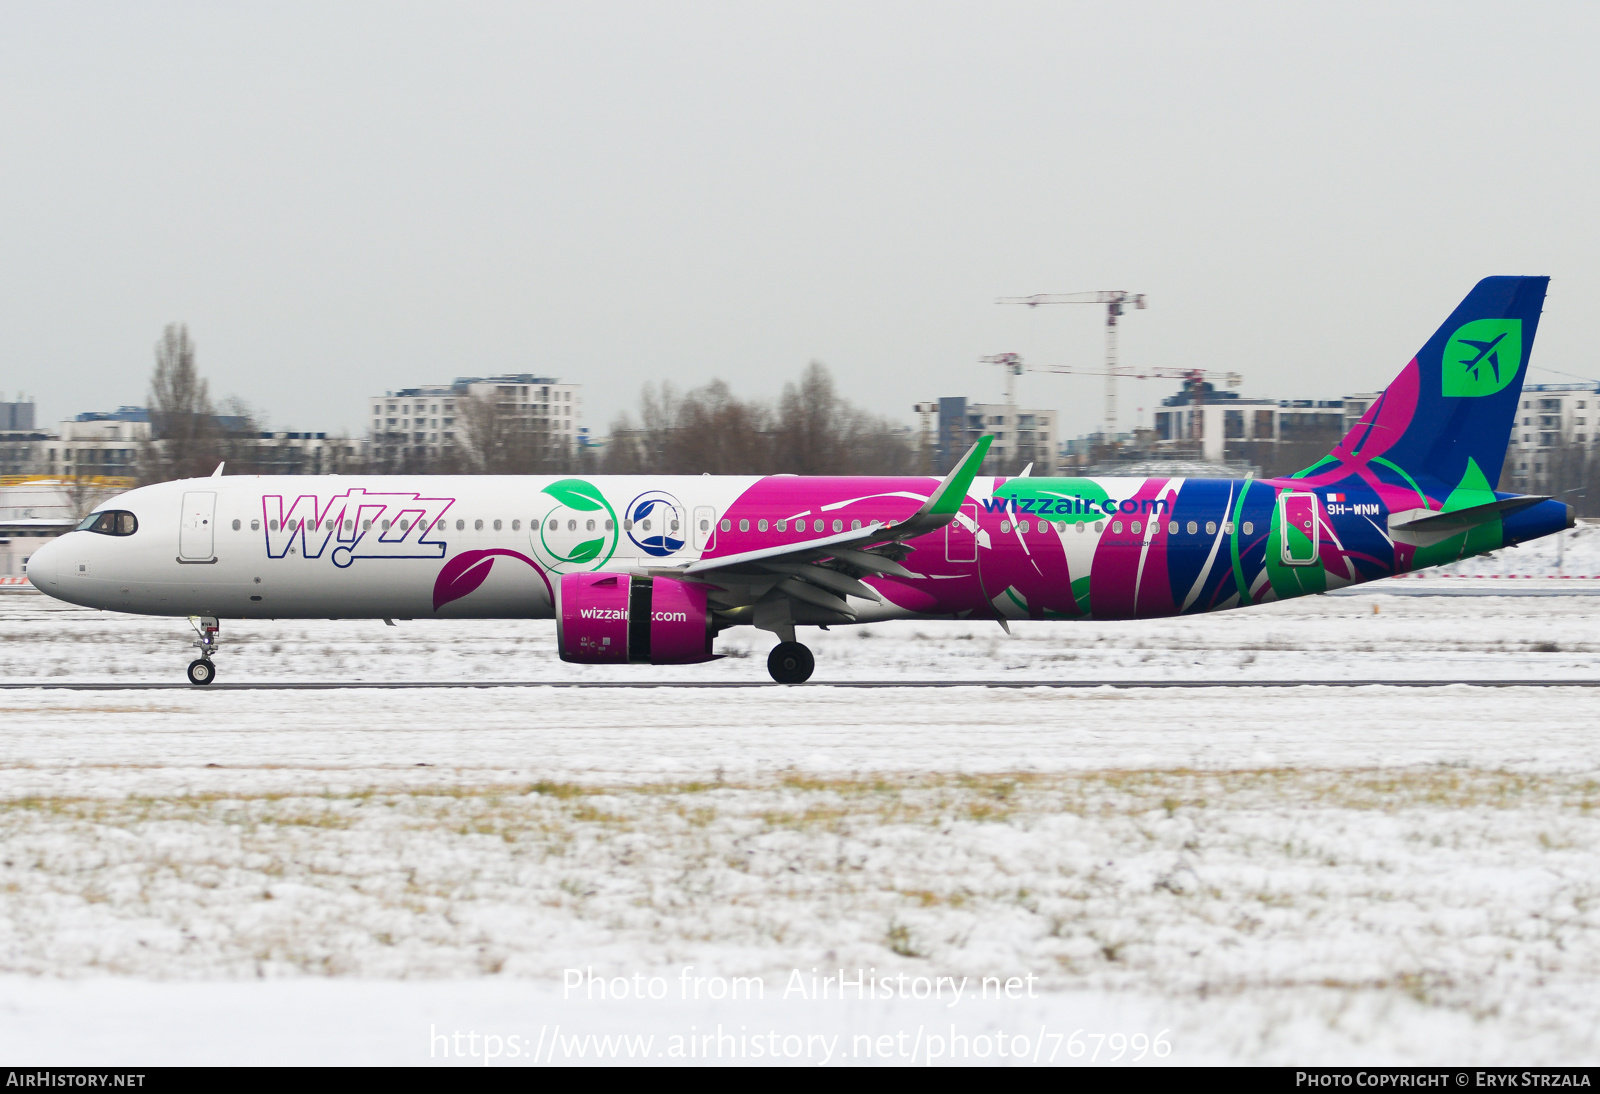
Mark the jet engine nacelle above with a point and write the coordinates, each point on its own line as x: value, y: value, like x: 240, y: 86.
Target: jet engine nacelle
x: 604, y: 619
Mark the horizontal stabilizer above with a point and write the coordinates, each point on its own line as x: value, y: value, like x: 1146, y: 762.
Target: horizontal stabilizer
x: 1430, y: 520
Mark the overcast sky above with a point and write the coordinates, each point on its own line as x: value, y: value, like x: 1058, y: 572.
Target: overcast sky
x: 341, y: 199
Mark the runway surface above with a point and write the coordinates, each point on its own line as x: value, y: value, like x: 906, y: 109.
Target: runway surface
x: 1012, y: 685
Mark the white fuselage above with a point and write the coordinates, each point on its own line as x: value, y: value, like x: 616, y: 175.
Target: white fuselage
x: 365, y: 546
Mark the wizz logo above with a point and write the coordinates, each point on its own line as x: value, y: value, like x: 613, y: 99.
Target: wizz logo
x: 355, y: 524
x: 1481, y: 357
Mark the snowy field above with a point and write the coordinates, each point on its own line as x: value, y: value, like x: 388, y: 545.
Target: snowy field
x: 1288, y: 875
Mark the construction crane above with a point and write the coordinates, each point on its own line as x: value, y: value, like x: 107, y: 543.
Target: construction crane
x: 1115, y: 301
x: 1194, y: 379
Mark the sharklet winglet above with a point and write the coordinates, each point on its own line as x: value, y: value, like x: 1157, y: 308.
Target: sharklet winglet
x: 947, y: 498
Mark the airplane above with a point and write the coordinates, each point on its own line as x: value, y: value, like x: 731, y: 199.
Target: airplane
x: 651, y: 569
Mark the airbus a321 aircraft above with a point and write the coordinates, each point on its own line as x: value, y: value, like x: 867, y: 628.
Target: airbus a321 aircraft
x: 650, y: 569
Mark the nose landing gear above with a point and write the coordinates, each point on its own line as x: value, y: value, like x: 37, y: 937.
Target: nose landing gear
x: 790, y: 663
x: 201, y: 670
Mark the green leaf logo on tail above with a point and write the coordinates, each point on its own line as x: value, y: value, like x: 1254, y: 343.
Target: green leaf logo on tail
x: 1482, y: 357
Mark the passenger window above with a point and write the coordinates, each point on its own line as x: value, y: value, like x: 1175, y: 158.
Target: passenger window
x: 1116, y: 527
x: 1099, y: 526
x: 1137, y: 530
x: 609, y: 525
x: 1249, y: 529
x: 497, y: 526
x: 1061, y: 527
x: 1193, y: 527
x: 1022, y: 526
x: 386, y: 525
x: 1172, y: 527
x: 272, y: 525
x: 255, y: 526
x: 572, y: 526
x: 1005, y: 527
x: 726, y: 526
x: 783, y: 526
x: 705, y: 526
x: 236, y: 526
x: 589, y: 526
x: 516, y: 526
x: 1227, y: 527
x: 477, y: 525
x: 674, y: 526
x: 1211, y: 527
x: 461, y: 525
x: 855, y: 526
x: 744, y: 526
x: 644, y: 525
x: 1081, y: 527
x: 761, y: 526
x: 553, y: 525
x: 405, y: 526
x: 838, y: 526
x: 366, y: 525
x: 627, y: 524
x: 349, y: 525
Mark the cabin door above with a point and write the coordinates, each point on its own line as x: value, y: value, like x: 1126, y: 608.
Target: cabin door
x: 1298, y: 518
x: 197, y: 532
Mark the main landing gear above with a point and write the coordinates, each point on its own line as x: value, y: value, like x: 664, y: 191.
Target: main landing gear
x: 201, y: 670
x: 790, y: 663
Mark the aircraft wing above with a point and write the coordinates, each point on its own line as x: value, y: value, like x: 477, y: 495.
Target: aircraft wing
x: 821, y: 572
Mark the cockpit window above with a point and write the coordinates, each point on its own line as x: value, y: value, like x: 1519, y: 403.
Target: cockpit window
x: 117, y: 522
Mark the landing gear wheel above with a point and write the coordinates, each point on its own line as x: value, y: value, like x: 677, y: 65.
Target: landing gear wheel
x: 202, y: 671
x: 790, y: 663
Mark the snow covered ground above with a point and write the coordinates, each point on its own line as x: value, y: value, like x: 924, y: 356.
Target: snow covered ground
x: 1364, y: 636
x: 1293, y: 874
x: 1573, y: 553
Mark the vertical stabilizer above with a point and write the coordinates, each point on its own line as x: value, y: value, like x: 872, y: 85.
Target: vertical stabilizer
x: 1450, y: 411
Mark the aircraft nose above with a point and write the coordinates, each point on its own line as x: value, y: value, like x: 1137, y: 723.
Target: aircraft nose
x: 46, y: 566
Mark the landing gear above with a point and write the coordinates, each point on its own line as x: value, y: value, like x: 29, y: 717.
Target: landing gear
x: 790, y: 663
x: 201, y: 670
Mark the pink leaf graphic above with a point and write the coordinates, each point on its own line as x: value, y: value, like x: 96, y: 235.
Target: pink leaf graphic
x: 464, y: 573
x: 460, y: 576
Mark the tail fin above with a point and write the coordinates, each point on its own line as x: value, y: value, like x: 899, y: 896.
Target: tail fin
x: 1454, y: 405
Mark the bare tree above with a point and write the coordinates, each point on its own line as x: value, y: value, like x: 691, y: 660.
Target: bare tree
x: 708, y: 430
x: 809, y: 424
x: 184, y: 441
x: 236, y: 433
x: 85, y: 491
x: 486, y: 435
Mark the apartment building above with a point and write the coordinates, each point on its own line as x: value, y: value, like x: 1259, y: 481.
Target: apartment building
x: 1554, y: 422
x: 1213, y: 421
x: 428, y: 423
x: 1021, y: 436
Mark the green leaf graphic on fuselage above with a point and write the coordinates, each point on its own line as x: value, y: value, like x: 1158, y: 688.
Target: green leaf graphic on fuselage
x: 1473, y: 489
x: 576, y: 494
x: 587, y: 552
x: 566, y: 535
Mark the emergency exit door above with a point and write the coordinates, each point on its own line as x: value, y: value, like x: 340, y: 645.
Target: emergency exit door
x: 197, y: 533
x: 704, y: 519
x: 961, y: 536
